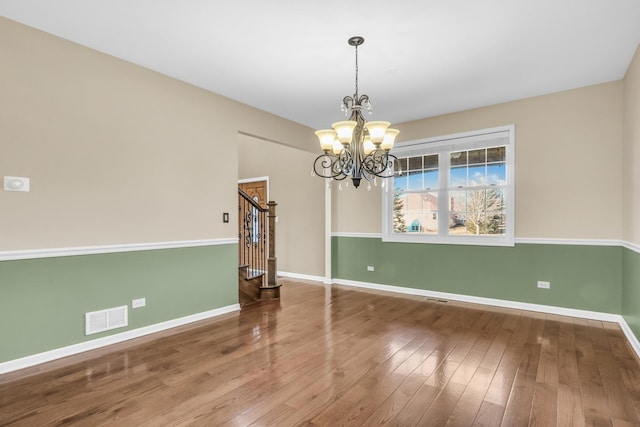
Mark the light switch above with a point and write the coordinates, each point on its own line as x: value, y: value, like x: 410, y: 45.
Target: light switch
x: 16, y: 183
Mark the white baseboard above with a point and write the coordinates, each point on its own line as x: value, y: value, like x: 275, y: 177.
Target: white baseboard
x: 47, y: 356
x: 325, y: 280
x: 584, y: 314
x: 594, y: 315
x: 633, y: 340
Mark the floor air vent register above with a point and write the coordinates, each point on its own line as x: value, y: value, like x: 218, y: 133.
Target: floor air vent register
x: 104, y: 320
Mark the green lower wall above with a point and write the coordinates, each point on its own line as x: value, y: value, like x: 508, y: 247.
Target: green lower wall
x: 582, y: 277
x: 43, y: 301
x: 631, y: 289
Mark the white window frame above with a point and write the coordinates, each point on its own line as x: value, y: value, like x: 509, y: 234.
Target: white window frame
x: 443, y: 145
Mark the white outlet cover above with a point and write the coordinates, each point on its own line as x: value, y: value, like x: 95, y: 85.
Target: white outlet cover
x: 137, y: 303
x: 16, y: 183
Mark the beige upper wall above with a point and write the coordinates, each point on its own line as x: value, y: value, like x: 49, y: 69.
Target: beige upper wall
x: 568, y: 163
x: 631, y: 153
x: 300, y: 229
x: 356, y: 210
x: 120, y: 154
x: 116, y: 153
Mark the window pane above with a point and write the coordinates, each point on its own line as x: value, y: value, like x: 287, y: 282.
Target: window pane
x: 429, y: 201
x: 497, y: 174
x: 458, y: 158
x: 475, y: 223
x: 400, y: 182
x: 496, y: 223
x: 458, y: 201
x: 457, y: 226
x: 415, y: 181
x: 415, y: 213
x: 476, y: 200
x: 415, y: 163
x: 399, y: 223
x: 496, y: 154
x: 431, y: 179
x: 431, y: 162
x: 457, y: 211
x: 477, y: 156
x: 458, y: 177
x: 430, y: 222
x: 400, y: 165
x: 477, y: 175
x: 413, y: 209
x: 495, y: 199
x: 485, y: 212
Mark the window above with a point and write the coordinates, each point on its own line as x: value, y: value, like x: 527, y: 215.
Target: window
x: 453, y: 189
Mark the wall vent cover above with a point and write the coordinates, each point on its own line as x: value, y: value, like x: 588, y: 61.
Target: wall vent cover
x: 104, y: 320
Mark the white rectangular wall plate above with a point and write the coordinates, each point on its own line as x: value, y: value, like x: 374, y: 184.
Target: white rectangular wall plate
x: 137, y: 303
x: 16, y: 183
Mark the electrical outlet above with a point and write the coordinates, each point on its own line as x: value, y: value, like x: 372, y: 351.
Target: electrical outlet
x: 544, y: 285
x: 370, y: 268
x: 137, y: 303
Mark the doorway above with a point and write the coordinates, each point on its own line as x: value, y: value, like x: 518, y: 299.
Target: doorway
x: 253, y: 195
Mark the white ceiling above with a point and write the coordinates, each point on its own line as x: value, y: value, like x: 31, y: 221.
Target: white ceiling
x: 421, y: 57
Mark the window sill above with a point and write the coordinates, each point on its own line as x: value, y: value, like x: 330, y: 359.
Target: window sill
x: 504, y: 241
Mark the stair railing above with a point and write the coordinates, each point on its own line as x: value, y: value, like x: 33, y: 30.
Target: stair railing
x: 253, y: 235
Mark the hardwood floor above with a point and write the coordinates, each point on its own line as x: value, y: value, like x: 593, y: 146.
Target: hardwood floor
x: 332, y: 356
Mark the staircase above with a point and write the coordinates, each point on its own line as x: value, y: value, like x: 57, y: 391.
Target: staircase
x: 257, y: 260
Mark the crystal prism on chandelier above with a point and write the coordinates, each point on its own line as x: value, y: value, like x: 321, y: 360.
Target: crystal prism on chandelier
x: 356, y: 148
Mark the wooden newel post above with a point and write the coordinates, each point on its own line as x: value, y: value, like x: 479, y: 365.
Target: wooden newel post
x: 272, y: 290
x: 272, y: 261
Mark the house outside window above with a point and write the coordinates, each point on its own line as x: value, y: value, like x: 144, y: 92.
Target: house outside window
x: 456, y: 189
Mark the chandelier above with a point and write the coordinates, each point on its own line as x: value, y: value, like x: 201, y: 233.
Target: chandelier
x: 356, y: 148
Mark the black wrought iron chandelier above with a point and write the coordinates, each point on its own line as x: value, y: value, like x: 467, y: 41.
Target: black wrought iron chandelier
x: 356, y: 148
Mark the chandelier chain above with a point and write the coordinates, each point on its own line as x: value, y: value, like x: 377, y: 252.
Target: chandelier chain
x: 356, y: 94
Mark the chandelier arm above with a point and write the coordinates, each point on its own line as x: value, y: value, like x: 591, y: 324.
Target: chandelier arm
x: 345, y: 162
x: 378, y: 163
x: 326, y: 163
x: 340, y: 177
x: 334, y: 166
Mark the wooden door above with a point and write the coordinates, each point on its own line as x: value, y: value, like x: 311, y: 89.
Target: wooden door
x: 257, y: 190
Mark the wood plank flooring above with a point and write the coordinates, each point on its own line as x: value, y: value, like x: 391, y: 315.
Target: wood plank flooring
x: 333, y: 356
